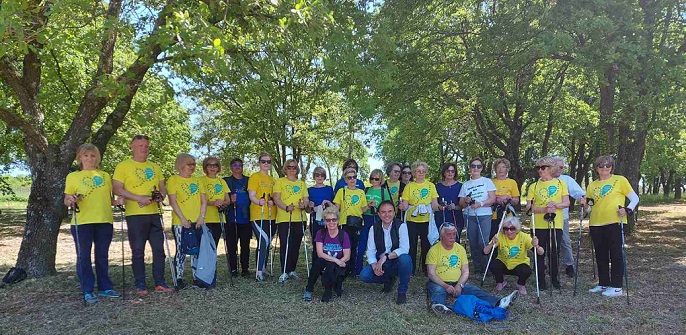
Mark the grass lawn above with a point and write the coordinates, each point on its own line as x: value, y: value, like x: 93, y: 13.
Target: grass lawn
x: 657, y: 275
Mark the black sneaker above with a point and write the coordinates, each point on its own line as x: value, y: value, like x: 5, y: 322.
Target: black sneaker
x: 180, y: 284
x: 570, y: 271
x: 234, y: 273
x: 327, y: 295
x: 245, y: 273
x: 556, y: 284
x: 388, y: 286
x: 402, y: 298
x: 339, y: 289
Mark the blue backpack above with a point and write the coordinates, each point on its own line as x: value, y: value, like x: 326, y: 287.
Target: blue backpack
x: 190, y: 240
x: 478, y: 309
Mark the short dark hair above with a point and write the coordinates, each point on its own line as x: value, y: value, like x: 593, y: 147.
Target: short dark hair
x: 236, y: 160
x: 350, y: 161
x: 387, y: 202
x: 390, y: 166
x: 445, y: 167
x: 140, y: 137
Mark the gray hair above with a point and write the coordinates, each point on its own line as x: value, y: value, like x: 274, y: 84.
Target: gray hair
x: 513, y: 221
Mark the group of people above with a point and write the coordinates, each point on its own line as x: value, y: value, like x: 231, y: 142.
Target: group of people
x: 385, y: 222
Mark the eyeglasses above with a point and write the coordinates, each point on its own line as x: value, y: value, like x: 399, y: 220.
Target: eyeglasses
x: 450, y: 170
x: 511, y: 228
x: 542, y: 167
x: 476, y: 166
x: 320, y: 175
x: 331, y: 220
x: 605, y: 166
x: 213, y: 165
x: 407, y: 172
x: 420, y: 171
x: 374, y: 179
x: 265, y: 161
x: 190, y: 164
x: 235, y: 166
x: 291, y: 167
x: 395, y: 171
x: 350, y: 177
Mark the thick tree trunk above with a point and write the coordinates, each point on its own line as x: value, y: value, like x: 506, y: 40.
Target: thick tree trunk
x: 44, y: 214
x: 678, y: 181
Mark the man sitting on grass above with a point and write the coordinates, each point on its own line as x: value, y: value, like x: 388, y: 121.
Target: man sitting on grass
x: 448, y: 270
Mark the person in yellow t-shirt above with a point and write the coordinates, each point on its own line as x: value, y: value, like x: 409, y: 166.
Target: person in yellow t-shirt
x: 351, y: 202
x: 512, y: 250
x: 262, y: 211
x: 217, y: 194
x: 420, y: 200
x: 548, y: 197
x: 448, y: 271
x: 189, y: 205
x: 609, y: 193
x: 90, y: 190
x: 135, y: 179
x: 291, y: 197
x: 506, y: 193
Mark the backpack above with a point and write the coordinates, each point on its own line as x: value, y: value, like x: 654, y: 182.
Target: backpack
x: 478, y: 309
x: 190, y: 240
x: 323, y: 231
x: 13, y: 276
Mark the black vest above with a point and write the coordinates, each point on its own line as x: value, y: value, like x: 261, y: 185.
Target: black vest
x: 379, y: 240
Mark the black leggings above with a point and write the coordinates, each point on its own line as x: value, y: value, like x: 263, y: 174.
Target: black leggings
x: 234, y: 233
x: 295, y: 237
x: 544, y: 237
x: 354, y: 236
x: 607, y: 241
x: 499, y: 270
x: 332, y: 274
x: 420, y: 230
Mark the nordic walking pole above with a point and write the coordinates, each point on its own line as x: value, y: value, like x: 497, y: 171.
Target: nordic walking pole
x: 235, y: 228
x: 557, y: 255
x: 626, y: 272
x: 171, y: 260
x: 550, y: 253
x: 226, y: 244
x: 74, y: 210
x: 288, y: 240
x: 590, y: 202
x: 259, y: 240
x: 490, y: 255
x: 578, y: 249
x: 302, y: 222
x: 272, y: 243
x: 533, y: 228
x: 123, y: 269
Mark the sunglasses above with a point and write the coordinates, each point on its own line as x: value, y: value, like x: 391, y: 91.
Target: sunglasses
x: 407, y: 172
x: 330, y: 220
x: 511, y: 228
x: 350, y: 177
x: 265, y: 161
x: 214, y: 165
x: 319, y: 175
x: 236, y: 165
x: 542, y: 167
x: 291, y: 167
x: 476, y: 166
x: 605, y: 166
x: 374, y: 179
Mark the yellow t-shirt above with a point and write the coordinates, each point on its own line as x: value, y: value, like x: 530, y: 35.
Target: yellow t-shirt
x: 394, y: 189
x: 419, y: 194
x: 505, y: 187
x: 545, y: 192
x: 292, y: 192
x: 514, y: 252
x: 352, y: 204
x: 140, y: 179
x: 262, y: 184
x: 215, y: 189
x: 187, y: 191
x: 448, y: 262
x: 607, y: 195
x: 95, y: 188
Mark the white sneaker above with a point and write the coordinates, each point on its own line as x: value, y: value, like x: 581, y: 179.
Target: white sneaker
x: 598, y: 289
x: 293, y: 275
x: 283, y: 278
x: 507, y: 300
x: 613, y: 292
x: 440, y: 309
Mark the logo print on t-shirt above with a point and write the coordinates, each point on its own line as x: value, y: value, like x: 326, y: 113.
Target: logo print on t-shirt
x: 394, y: 189
x: 296, y: 189
x: 193, y: 188
x: 424, y: 193
x: 454, y: 260
x: 551, y: 190
x: 217, y: 188
x: 97, y: 180
x: 149, y: 173
x: 514, y: 251
x: 354, y: 199
x: 605, y: 190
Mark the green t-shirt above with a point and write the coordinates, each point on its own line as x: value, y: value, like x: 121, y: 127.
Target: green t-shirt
x: 375, y: 195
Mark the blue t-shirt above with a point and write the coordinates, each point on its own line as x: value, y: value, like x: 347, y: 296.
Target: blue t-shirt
x: 239, y: 211
x: 332, y: 245
x: 341, y: 184
x: 449, y: 194
x: 319, y: 194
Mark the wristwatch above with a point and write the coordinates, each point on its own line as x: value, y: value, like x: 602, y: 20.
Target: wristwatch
x: 462, y: 285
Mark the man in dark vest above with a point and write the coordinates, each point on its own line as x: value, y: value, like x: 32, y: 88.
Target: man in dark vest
x: 387, y: 253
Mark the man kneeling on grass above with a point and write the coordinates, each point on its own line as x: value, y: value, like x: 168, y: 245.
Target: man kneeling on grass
x: 387, y: 253
x: 448, y: 270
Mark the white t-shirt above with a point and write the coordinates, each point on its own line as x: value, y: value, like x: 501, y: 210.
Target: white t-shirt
x: 479, y: 189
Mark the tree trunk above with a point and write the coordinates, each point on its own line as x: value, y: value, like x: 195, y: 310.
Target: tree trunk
x: 44, y: 214
x: 678, y: 181
x: 656, y: 185
x: 668, y: 183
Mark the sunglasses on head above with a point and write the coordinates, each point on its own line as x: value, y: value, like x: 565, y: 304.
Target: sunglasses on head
x: 141, y: 137
x: 446, y: 225
x: 510, y: 228
x: 542, y: 167
x: 475, y: 166
x: 263, y: 161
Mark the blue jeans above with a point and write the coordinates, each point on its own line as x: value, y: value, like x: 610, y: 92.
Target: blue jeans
x: 400, y: 267
x: 99, y: 234
x: 478, y: 239
x: 362, y: 245
x: 437, y: 294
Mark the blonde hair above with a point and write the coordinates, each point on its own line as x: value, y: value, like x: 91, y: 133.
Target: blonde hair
x: 501, y: 161
x: 181, y: 160
x: 263, y: 154
x: 319, y: 169
x: 331, y: 210
x: 348, y: 171
x: 87, y: 147
x: 207, y: 161
x: 377, y: 172
x: 289, y: 161
x: 416, y: 165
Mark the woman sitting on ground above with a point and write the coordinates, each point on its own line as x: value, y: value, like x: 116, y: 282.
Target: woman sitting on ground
x: 333, y: 250
x: 512, y: 254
